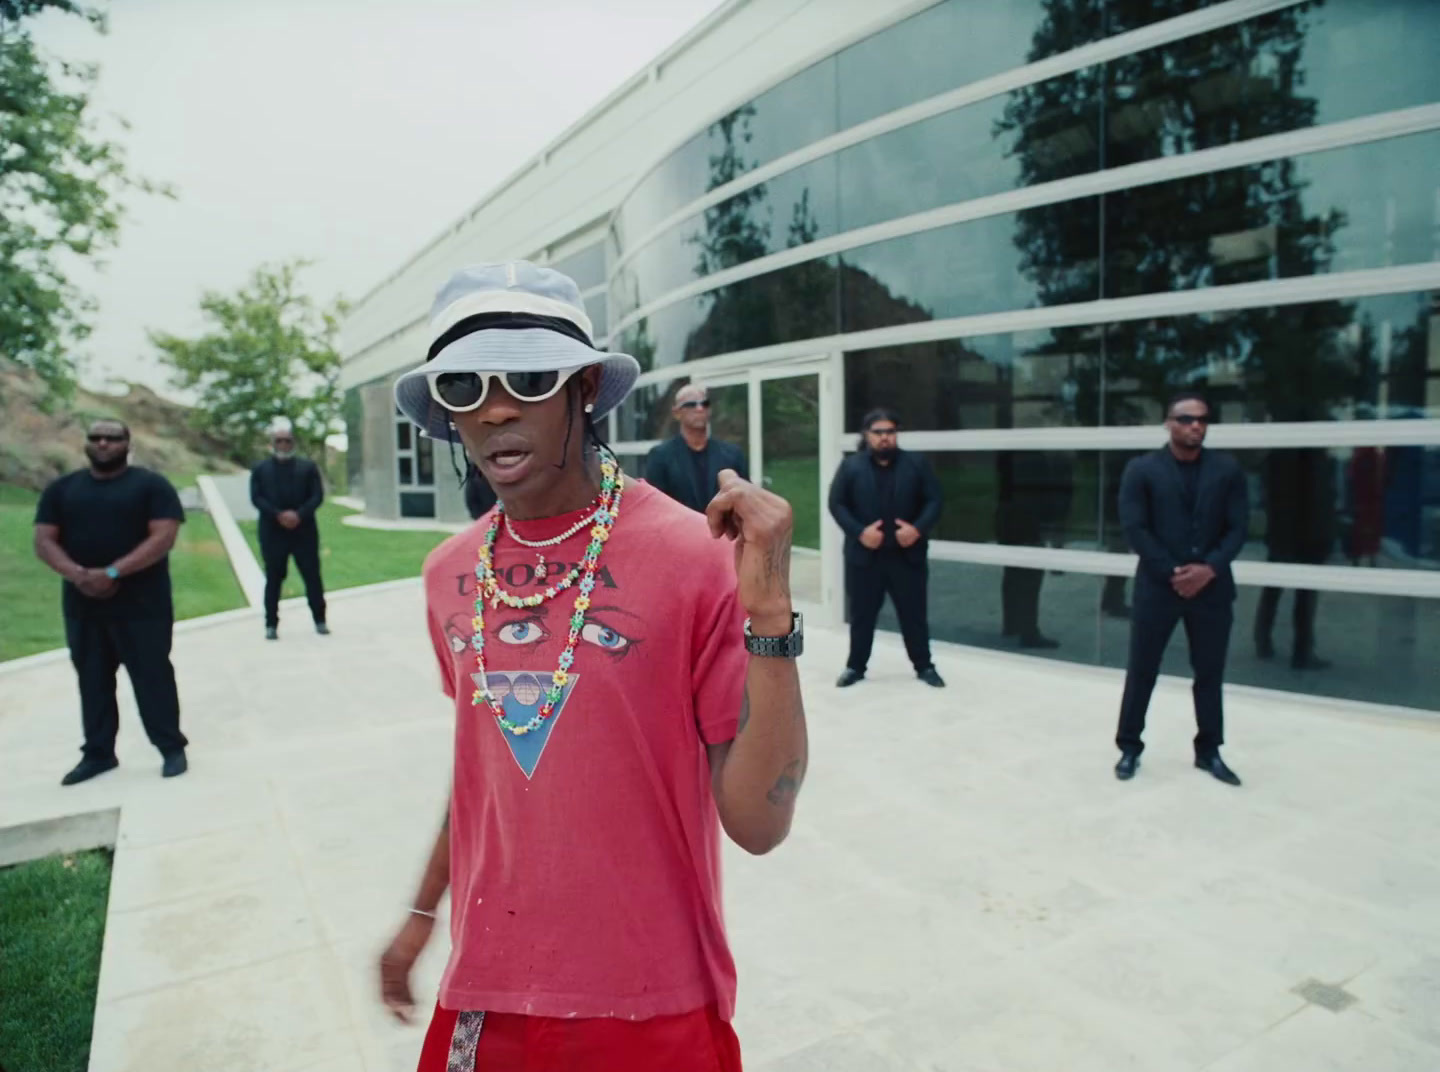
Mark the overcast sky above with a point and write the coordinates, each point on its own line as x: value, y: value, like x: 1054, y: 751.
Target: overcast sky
x: 349, y: 132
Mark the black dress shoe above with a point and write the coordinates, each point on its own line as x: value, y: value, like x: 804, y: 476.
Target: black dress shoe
x: 271, y: 633
x: 848, y: 678
x: 931, y: 677
x: 1125, y: 769
x: 175, y: 765
x: 1116, y: 610
x: 1309, y: 662
x: 1215, y: 766
x: 1035, y: 640
x: 88, y: 768
x: 322, y: 629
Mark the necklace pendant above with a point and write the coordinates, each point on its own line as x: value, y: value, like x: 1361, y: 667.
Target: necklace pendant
x: 541, y: 569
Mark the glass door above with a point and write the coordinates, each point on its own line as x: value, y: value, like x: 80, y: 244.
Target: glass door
x: 786, y: 417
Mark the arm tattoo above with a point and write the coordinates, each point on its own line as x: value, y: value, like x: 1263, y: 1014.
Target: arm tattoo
x: 744, y: 712
x: 787, y: 786
x: 777, y: 564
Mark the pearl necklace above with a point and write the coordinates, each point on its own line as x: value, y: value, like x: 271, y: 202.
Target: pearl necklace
x: 542, y: 568
x: 612, y: 485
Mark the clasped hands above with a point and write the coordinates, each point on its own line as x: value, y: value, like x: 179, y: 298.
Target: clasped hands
x: 1188, y: 581
x: 906, y: 534
x: 95, y: 583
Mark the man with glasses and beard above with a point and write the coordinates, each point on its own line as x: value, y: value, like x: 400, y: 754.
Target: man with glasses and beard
x: 287, y: 490
x: 1185, y: 511
x: 108, y: 531
x: 687, y: 466
x: 886, y: 500
x: 624, y: 686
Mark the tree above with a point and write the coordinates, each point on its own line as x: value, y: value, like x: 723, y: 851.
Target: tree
x: 60, y: 184
x: 270, y: 353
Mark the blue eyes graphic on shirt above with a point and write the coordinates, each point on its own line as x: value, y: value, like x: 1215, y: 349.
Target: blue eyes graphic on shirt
x: 604, y: 637
x: 531, y: 631
x: 523, y: 632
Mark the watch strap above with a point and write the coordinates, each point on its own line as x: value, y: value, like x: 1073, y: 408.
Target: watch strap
x: 790, y: 646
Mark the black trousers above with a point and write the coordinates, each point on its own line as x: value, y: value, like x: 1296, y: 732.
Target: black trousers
x: 1020, y: 602
x: 98, y: 648
x: 1208, y: 618
x: 1303, y: 619
x: 277, y: 547
x: 866, y: 587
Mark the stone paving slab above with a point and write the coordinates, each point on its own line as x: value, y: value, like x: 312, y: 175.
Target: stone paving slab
x: 967, y: 887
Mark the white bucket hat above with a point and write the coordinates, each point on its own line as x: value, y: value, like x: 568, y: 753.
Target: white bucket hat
x: 509, y: 317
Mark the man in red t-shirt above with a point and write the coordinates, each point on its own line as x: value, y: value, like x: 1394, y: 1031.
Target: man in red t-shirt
x: 624, y: 685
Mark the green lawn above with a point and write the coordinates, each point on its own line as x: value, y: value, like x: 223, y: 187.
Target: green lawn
x: 30, y: 593
x: 52, y: 924
x: 797, y: 480
x: 350, y: 556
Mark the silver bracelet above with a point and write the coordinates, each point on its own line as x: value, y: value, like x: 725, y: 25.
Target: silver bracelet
x: 422, y: 912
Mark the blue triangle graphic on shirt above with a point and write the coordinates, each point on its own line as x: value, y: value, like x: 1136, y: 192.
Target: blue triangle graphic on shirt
x: 521, y: 695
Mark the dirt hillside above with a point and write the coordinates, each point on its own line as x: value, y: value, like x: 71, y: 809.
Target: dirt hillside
x: 36, y: 447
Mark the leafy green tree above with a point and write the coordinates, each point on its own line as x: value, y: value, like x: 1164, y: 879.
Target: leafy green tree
x: 60, y: 188
x: 270, y: 352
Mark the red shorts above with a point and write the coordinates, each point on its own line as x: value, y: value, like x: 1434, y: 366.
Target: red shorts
x: 696, y: 1041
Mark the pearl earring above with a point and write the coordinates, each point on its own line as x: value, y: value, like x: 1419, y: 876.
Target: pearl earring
x: 589, y: 407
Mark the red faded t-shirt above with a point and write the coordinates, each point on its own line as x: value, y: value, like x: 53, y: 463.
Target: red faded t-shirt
x: 585, y: 856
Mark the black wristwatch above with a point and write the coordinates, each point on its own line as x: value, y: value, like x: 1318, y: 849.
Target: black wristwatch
x: 782, y: 647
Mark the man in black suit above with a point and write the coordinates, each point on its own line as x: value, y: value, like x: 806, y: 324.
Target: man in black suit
x: 287, y: 490
x: 687, y: 466
x: 1185, y: 512
x: 887, y: 501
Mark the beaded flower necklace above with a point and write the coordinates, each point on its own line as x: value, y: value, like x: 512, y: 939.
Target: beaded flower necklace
x: 612, y: 485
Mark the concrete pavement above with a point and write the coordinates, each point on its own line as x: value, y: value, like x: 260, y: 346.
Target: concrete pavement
x: 967, y: 887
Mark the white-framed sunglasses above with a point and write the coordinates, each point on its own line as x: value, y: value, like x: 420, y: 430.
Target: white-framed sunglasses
x: 461, y: 392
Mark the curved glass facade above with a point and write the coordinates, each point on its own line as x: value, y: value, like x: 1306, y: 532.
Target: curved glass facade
x: 1221, y: 88
x: 1319, y: 188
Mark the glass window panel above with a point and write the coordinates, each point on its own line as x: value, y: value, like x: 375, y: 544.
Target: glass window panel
x: 1035, y: 379
x: 424, y: 461
x: 1003, y: 607
x: 1360, y: 358
x: 795, y: 208
x: 790, y: 431
x: 405, y: 467
x: 730, y: 415
x: 951, y: 45
x: 1377, y: 648
x: 596, y: 309
x: 645, y: 414
x: 1365, y: 206
x: 1019, y: 497
x: 1365, y: 358
x: 795, y: 113
x: 354, y: 412
x: 417, y: 504
x: 1376, y: 507
x: 1280, y: 72
x: 982, y: 266
x: 586, y: 268
x: 403, y: 431
x: 782, y: 306
x: 1380, y: 647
